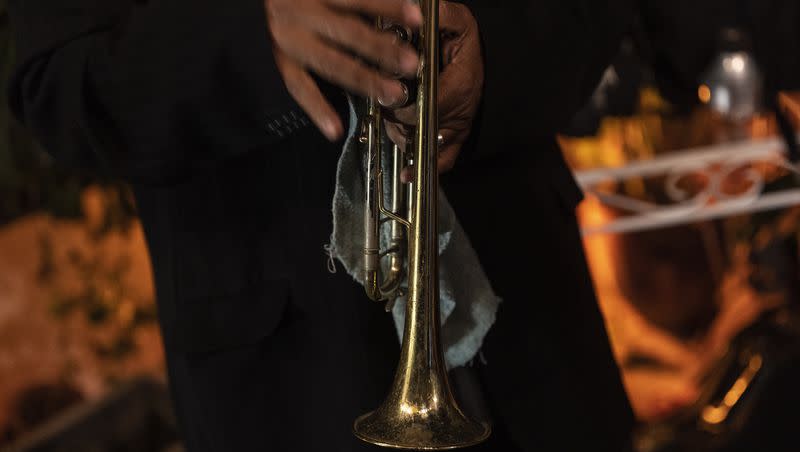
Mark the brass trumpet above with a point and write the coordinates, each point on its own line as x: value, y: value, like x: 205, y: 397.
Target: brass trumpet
x: 420, y: 412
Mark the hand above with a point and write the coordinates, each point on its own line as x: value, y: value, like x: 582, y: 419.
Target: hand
x: 460, y: 86
x: 332, y: 39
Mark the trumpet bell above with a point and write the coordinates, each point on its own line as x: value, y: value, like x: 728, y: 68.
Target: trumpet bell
x: 420, y: 412
x: 422, y: 427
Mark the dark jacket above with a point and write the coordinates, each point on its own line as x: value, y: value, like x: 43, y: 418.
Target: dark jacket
x: 182, y: 98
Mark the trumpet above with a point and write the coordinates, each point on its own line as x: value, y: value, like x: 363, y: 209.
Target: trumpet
x: 420, y: 412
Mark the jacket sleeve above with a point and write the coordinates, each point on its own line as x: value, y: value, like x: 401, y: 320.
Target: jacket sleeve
x: 543, y: 59
x: 147, y: 88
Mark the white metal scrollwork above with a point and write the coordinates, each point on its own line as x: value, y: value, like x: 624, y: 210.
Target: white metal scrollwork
x: 716, y: 165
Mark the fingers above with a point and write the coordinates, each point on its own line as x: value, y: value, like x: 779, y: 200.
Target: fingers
x: 444, y: 165
x: 380, y: 48
x: 397, y: 133
x: 448, y: 152
x: 339, y: 68
x: 399, y: 136
x: 397, y: 11
x: 306, y: 93
x: 461, y: 79
x: 323, y: 35
x: 406, y: 115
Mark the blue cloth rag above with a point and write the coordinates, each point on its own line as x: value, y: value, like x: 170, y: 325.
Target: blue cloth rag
x: 468, y: 303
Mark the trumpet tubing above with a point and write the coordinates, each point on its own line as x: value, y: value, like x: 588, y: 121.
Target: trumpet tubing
x: 420, y: 412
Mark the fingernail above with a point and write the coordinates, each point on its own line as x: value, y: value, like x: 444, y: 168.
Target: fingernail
x: 386, y: 101
x: 403, y: 99
x: 394, y: 94
x: 331, y: 129
x: 413, y: 15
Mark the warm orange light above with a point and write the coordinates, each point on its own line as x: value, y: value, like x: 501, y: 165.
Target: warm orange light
x: 761, y: 126
x: 704, y: 93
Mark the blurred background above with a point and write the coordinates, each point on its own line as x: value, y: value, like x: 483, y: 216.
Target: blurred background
x: 686, y: 153
x: 80, y: 351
